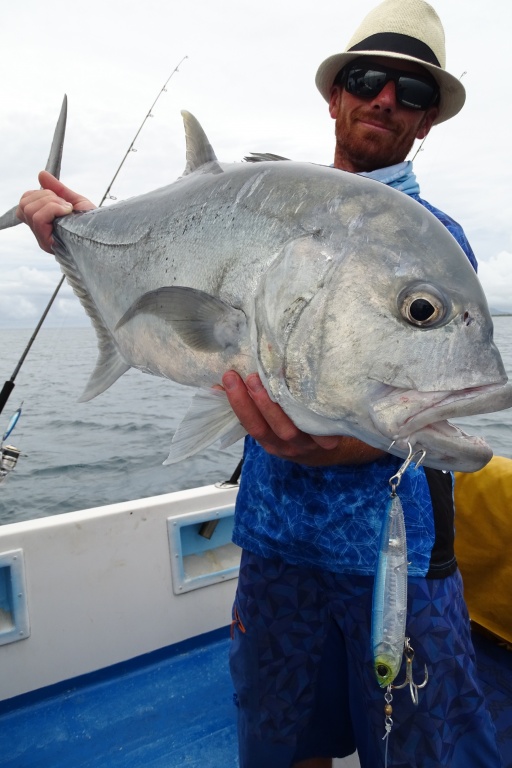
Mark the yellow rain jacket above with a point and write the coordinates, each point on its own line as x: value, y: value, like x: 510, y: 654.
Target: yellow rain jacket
x: 483, y: 544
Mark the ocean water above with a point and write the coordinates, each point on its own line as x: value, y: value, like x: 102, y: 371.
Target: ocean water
x: 80, y: 455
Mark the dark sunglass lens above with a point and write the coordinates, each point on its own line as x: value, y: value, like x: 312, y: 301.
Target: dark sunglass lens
x: 365, y: 82
x: 414, y: 93
x: 411, y: 91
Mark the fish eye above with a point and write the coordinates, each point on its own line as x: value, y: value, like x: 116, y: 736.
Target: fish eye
x: 382, y: 670
x: 422, y: 306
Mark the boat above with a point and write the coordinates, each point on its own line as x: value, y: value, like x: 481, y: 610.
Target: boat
x: 115, y: 630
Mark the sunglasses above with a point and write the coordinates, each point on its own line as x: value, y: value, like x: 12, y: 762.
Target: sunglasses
x: 367, y: 81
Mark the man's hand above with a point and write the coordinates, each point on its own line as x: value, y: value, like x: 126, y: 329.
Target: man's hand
x: 269, y: 425
x: 38, y: 208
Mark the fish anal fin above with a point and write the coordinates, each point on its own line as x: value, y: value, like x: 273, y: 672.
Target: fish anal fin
x: 209, y: 418
x: 204, y: 322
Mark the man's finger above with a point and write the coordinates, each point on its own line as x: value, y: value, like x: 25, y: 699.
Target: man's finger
x: 79, y: 202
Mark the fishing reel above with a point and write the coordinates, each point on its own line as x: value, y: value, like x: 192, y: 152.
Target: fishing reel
x: 8, y: 459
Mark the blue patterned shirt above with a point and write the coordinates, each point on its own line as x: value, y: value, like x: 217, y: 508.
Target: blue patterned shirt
x: 331, y: 517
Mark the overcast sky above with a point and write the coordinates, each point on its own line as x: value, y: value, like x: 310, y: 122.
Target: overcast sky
x: 249, y: 79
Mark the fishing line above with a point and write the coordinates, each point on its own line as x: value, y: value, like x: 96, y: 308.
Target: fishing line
x: 54, y: 152
x: 420, y: 148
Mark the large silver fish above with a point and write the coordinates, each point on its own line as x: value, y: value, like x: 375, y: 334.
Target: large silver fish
x: 358, y: 309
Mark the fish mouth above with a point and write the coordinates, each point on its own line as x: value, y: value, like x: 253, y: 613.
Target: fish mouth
x: 420, y: 419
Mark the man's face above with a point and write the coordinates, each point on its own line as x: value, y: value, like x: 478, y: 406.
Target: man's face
x: 376, y: 132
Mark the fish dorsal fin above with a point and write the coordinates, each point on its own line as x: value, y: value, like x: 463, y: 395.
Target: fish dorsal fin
x: 199, y: 150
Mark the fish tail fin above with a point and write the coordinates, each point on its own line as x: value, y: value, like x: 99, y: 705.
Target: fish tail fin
x: 9, y: 219
x: 209, y: 418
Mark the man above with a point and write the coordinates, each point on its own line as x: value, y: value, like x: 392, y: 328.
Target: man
x: 301, y: 653
x: 309, y: 509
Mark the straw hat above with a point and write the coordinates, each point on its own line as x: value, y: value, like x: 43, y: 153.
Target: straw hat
x: 400, y: 29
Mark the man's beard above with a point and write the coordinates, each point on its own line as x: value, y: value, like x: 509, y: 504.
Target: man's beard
x: 368, y: 150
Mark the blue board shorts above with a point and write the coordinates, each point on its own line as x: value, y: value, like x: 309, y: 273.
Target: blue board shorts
x: 302, y: 669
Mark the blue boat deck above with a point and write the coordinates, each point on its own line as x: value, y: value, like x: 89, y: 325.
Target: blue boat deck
x: 173, y: 708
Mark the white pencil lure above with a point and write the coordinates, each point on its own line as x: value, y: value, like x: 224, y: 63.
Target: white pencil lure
x: 389, y: 610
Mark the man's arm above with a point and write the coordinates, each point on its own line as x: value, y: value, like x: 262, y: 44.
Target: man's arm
x: 38, y: 208
x: 268, y: 424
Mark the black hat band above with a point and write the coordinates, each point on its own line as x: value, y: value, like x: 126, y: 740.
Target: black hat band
x: 394, y: 42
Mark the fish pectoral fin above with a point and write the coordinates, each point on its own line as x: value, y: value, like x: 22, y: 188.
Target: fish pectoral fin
x: 202, y: 321
x: 209, y: 418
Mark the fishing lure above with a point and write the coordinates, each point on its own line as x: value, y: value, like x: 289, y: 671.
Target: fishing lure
x: 389, y: 608
x: 389, y: 611
x: 12, y: 423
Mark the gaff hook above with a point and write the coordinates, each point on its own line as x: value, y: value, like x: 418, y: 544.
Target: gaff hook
x: 413, y: 687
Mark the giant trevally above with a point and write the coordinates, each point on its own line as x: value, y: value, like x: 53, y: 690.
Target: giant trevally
x: 358, y: 309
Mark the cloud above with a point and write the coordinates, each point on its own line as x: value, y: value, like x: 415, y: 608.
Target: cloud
x: 25, y: 279
x: 251, y: 85
x: 496, y: 278
x: 25, y: 293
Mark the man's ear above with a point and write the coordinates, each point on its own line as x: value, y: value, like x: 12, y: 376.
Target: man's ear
x: 334, y: 101
x: 428, y: 120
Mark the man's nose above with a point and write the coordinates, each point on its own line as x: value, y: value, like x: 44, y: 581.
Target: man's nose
x: 386, y: 98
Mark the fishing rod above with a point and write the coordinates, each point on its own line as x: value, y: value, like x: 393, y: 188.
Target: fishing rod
x: 130, y: 148
x: 9, y: 384
x: 420, y: 148
x: 57, y: 146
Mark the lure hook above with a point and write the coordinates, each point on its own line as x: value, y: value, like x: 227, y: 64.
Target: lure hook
x: 394, y: 481
x: 409, y: 680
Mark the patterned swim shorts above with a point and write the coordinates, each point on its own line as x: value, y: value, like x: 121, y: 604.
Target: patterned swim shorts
x: 302, y: 669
